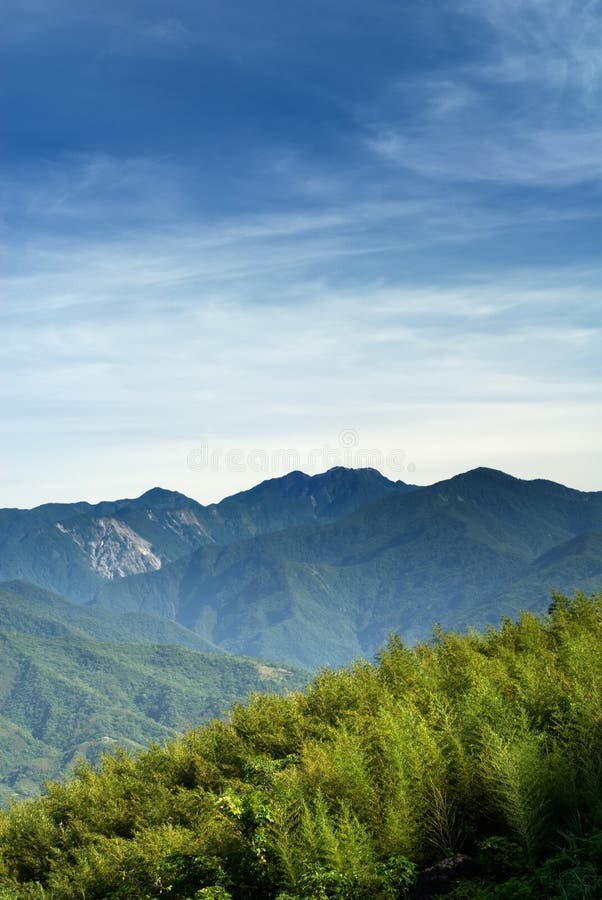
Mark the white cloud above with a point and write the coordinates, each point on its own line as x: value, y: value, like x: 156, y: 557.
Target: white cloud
x: 127, y: 352
x: 527, y: 115
x: 556, y: 43
x: 137, y: 320
x: 554, y: 157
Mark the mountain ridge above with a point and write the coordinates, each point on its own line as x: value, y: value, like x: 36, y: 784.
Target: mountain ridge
x: 400, y: 562
x: 318, y: 569
x: 305, y: 570
x: 73, y: 549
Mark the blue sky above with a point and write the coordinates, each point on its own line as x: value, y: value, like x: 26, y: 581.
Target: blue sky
x: 348, y: 227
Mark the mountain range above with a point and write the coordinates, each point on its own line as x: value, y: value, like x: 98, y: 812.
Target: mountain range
x: 125, y: 621
x: 311, y: 570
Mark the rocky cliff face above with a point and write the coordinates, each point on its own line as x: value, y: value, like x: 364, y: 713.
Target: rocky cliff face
x: 112, y: 548
x: 79, y: 549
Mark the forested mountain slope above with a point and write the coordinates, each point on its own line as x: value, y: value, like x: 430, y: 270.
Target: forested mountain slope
x: 463, y: 551
x: 66, y: 694
x: 74, y: 549
x: 33, y: 610
x: 313, y: 570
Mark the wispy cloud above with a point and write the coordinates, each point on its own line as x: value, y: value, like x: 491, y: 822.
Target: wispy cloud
x: 228, y: 225
x: 157, y: 342
x: 555, y: 44
x: 554, y: 157
x: 527, y: 115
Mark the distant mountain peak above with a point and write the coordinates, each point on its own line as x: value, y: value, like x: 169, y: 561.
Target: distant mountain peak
x: 295, y: 475
x: 363, y: 472
x: 158, y: 496
x: 352, y: 475
x: 303, y: 481
x: 316, y: 569
x: 485, y: 473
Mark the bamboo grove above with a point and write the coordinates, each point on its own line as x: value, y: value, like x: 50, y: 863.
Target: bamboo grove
x: 485, y: 744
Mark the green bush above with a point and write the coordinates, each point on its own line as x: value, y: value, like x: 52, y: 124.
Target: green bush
x: 488, y: 745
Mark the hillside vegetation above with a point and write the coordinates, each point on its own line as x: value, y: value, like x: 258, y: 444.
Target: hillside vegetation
x: 486, y: 744
x: 65, y: 695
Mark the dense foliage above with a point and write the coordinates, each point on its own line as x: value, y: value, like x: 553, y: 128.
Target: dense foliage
x: 490, y: 745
